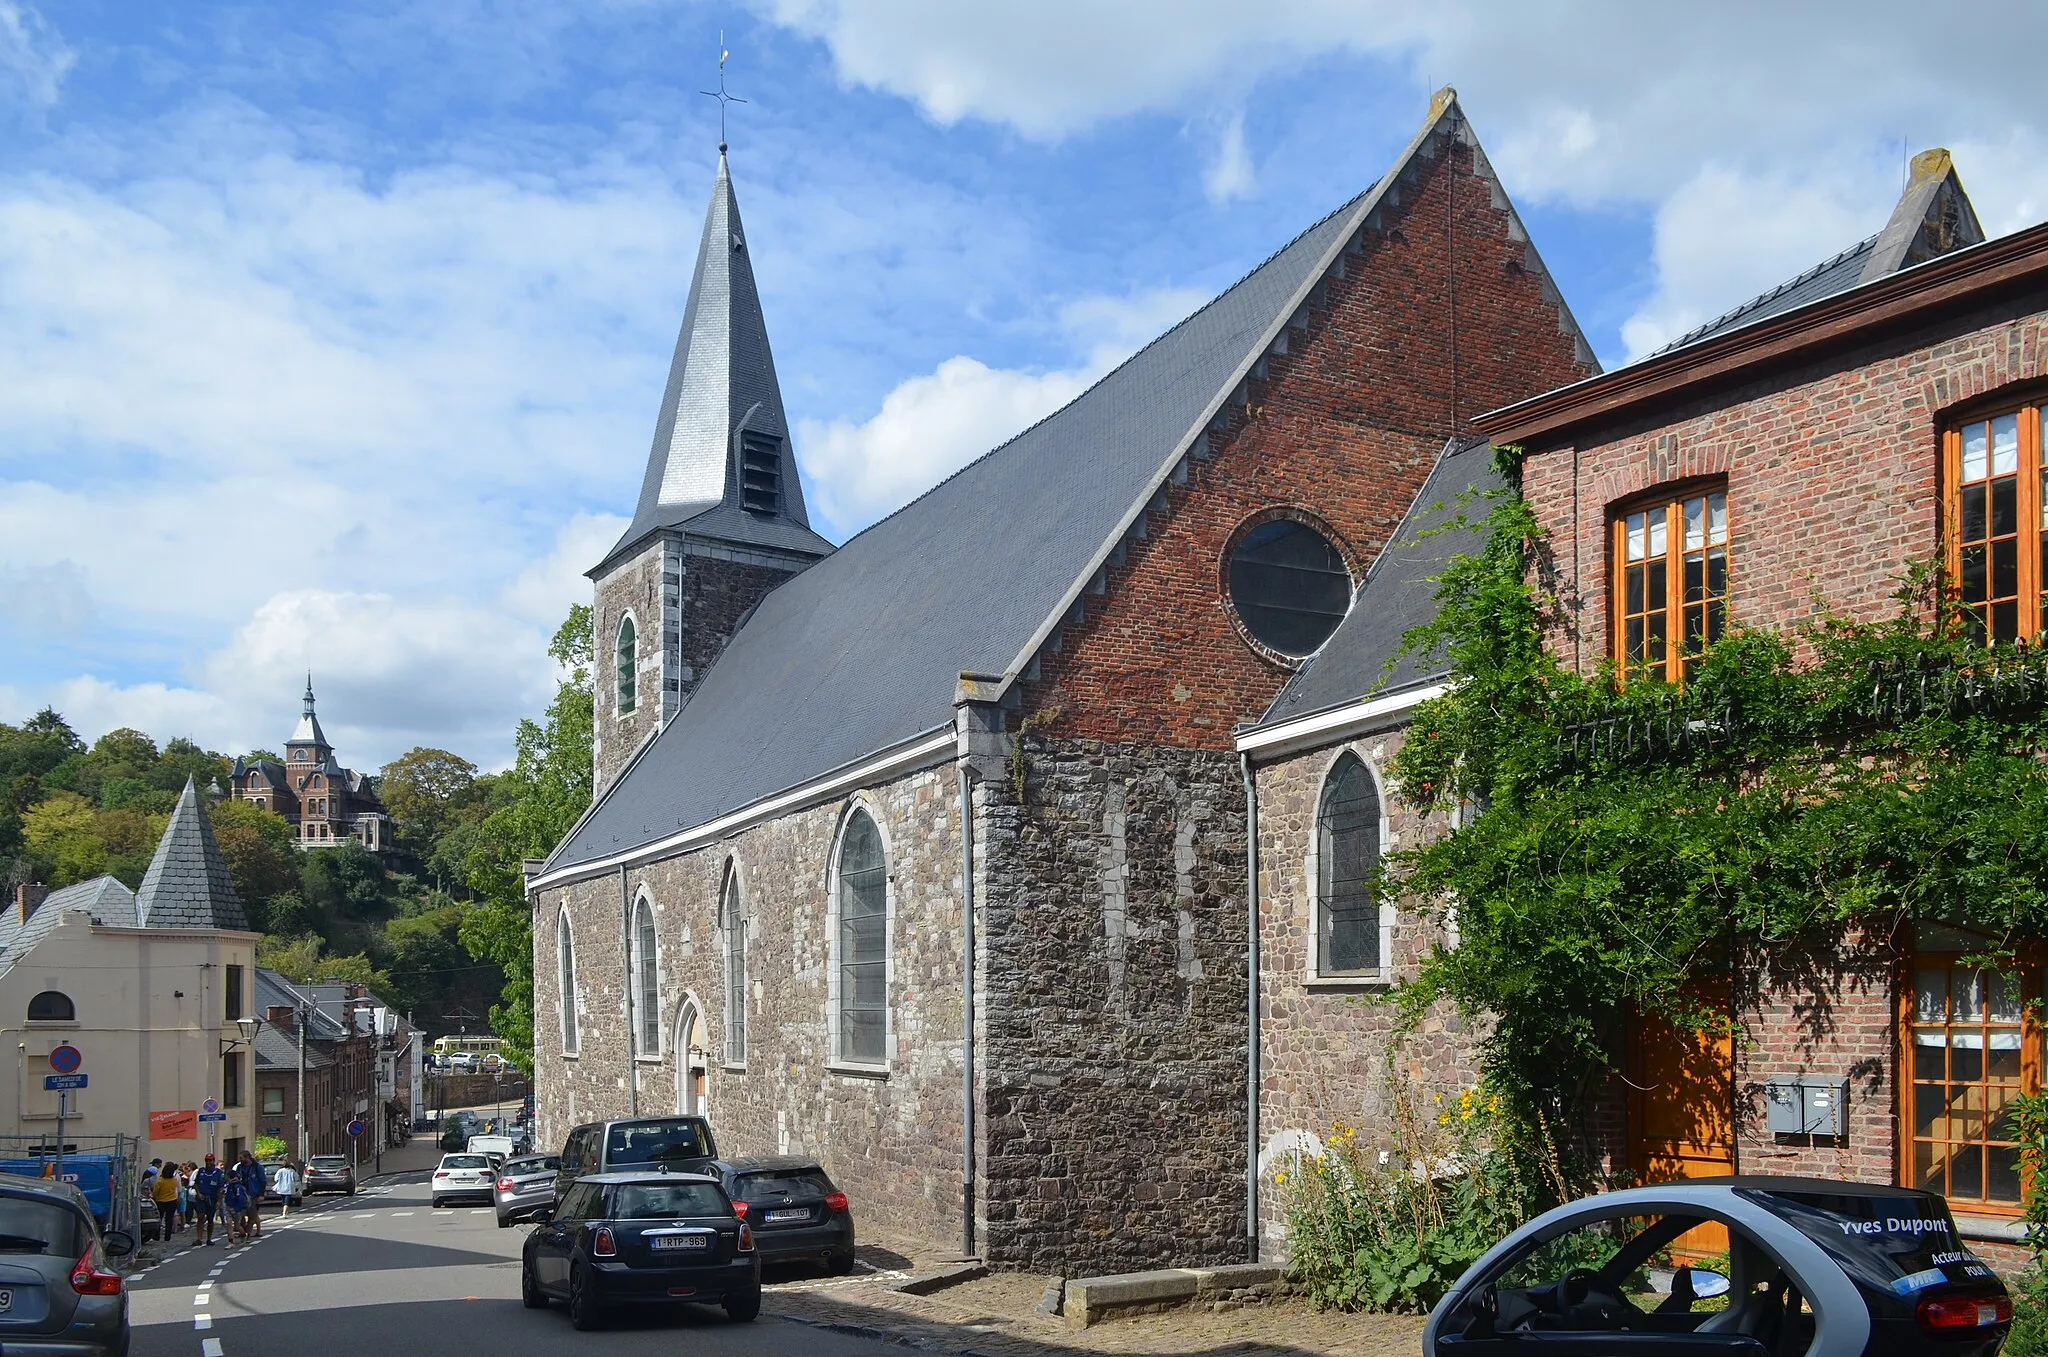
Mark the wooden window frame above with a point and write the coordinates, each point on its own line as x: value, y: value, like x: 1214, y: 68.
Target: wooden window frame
x: 1671, y: 499
x: 2031, y: 579
x: 2030, y: 972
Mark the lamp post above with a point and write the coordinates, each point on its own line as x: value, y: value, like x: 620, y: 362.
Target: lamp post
x: 249, y: 1027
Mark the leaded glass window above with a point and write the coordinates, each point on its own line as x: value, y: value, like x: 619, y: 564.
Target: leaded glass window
x: 647, y: 981
x: 1670, y: 576
x: 1347, y: 868
x: 735, y: 972
x: 628, y: 675
x: 863, y: 944
x: 565, y: 980
x: 1289, y: 586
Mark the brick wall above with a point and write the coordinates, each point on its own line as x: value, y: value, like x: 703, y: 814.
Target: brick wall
x: 892, y: 1142
x: 1346, y: 424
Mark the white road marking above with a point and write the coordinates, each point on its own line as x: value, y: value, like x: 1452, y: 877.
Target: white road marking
x: 403, y: 1213
x: 199, y: 1299
x: 208, y: 1282
x: 202, y: 1321
x: 210, y: 1348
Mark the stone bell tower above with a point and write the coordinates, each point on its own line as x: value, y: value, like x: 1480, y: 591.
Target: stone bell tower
x: 721, y: 517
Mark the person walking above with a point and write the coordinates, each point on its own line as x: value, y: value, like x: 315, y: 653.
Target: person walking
x: 184, y: 1172
x: 234, y: 1201
x: 207, y: 1185
x: 163, y: 1190
x: 284, y: 1184
x: 251, y: 1174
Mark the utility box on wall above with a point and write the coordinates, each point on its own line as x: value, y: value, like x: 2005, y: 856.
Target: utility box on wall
x: 1806, y: 1107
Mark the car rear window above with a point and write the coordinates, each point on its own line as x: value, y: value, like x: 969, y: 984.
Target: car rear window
x: 465, y: 1161
x: 667, y: 1201
x: 655, y: 1142
x: 796, y: 1182
x: 1895, y: 1246
x: 548, y: 1164
x: 40, y: 1226
x: 329, y: 1164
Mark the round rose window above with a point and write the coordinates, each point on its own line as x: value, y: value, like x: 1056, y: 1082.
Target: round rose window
x: 1289, y: 586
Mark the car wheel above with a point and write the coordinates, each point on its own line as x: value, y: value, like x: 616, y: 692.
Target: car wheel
x: 839, y: 1264
x: 583, y: 1312
x: 437, y: 1203
x: 530, y: 1294
x: 742, y: 1306
x: 504, y: 1222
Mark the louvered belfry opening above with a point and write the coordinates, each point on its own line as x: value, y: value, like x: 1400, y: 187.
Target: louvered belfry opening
x: 760, y: 472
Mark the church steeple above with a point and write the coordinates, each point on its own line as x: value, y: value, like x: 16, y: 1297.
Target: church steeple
x: 721, y: 460
x: 309, y: 731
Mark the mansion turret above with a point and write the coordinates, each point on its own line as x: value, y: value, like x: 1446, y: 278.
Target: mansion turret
x: 325, y: 803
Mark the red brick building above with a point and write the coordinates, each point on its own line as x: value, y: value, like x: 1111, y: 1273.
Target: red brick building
x: 325, y: 803
x: 938, y: 872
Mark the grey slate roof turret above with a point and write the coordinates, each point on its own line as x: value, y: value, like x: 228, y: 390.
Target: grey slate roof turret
x: 187, y: 884
x: 309, y: 731
x: 721, y: 386
x: 862, y: 652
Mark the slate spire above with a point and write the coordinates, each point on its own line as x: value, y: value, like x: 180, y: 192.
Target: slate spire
x: 187, y: 884
x: 309, y: 731
x: 721, y: 439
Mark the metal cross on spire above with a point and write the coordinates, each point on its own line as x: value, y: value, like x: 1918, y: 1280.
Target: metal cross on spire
x: 719, y: 94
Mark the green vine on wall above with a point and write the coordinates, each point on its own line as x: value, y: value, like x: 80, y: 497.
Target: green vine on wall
x: 1637, y: 837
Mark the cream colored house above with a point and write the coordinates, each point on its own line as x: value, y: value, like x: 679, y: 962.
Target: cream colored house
x: 149, y: 986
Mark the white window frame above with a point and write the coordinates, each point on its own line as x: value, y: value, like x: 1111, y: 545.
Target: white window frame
x: 626, y: 619
x: 569, y: 1017
x: 837, y: 1060
x: 1312, y: 880
x: 639, y: 973
x: 733, y: 1055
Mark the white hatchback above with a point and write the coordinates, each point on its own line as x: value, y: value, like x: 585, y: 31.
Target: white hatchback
x: 463, y: 1175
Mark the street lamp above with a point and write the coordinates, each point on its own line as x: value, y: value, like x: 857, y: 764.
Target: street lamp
x: 248, y: 1037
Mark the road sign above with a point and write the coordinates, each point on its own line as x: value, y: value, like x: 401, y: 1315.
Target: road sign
x: 355, y: 1128
x: 213, y: 1116
x: 210, y: 1105
x: 65, y: 1059
x: 63, y: 1081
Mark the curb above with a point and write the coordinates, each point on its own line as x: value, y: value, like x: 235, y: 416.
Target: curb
x: 877, y: 1334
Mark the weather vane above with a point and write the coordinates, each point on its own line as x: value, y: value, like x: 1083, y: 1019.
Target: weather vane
x: 719, y: 94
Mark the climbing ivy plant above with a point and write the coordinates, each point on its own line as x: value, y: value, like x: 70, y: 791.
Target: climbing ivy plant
x: 1632, y: 839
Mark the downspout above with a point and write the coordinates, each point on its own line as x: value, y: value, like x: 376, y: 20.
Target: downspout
x: 632, y: 1032
x: 1251, y: 1061
x: 967, y: 1129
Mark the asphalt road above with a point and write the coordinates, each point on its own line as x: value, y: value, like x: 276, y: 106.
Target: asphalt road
x: 383, y: 1272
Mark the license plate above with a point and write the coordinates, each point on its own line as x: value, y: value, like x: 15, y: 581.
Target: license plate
x: 6, y: 1301
x: 789, y: 1213
x: 681, y: 1241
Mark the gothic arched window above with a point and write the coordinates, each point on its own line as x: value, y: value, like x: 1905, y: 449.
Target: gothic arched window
x: 735, y: 925
x: 1347, y: 865
x: 565, y: 980
x: 863, y: 944
x: 627, y: 656
x: 647, y: 984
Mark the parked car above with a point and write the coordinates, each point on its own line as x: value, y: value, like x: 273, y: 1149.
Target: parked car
x: 682, y: 1144
x: 1813, y: 1266
x: 641, y: 1238
x: 796, y: 1212
x: 470, y: 1177
x: 57, y: 1293
x: 500, y: 1148
x: 457, y: 1128
x: 330, y: 1173
x: 523, y: 1186
x: 462, y: 1062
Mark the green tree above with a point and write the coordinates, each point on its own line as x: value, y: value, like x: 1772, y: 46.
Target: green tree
x: 183, y: 758
x: 305, y: 960
x: 62, y: 835
x: 261, y: 854
x: 423, y: 788
x: 546, y: 792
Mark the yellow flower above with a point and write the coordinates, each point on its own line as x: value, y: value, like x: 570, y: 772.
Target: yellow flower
x: 1443, y: 1119
x: 1279, y: 1177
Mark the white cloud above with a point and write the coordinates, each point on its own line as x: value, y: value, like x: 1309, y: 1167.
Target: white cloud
x: 545, y: 590
x: 1229, y: 175
x: 34, y: 58
x: 46, y: 599
x: 933, y: 424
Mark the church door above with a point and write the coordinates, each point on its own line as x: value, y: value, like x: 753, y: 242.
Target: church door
x: 690, y: 1061
x: 1681, y: 1116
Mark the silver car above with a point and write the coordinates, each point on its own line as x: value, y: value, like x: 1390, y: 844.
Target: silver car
x: 58, y: 1293
x: 523, y: 1186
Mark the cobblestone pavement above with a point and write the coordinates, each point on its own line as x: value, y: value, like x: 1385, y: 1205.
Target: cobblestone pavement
x: 997, y: 1316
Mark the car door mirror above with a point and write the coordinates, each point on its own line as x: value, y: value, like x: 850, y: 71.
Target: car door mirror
x: 1704, y: 1282
x: 543, y: 1216
x: 117, y: 1243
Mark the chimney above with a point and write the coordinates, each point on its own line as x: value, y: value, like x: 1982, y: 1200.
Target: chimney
x: 281, y: 1016
x: 26, y: 898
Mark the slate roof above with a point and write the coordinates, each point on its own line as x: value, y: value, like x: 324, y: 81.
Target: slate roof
x: 722, y: 375
x: 308, y: 731
x: 1932, y: 217
x: 1364, y: 656
x: 104, y: 898
x: 187, y: 884
x: 862, y: 651
x: 279, y: 1049
x: 272, y: 990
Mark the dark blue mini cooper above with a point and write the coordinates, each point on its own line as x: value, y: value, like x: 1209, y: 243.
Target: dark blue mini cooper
x: 621, y: 1239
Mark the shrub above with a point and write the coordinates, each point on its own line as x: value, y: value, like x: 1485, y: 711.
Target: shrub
x: 269, y: 1147
x: 1390, y: 1227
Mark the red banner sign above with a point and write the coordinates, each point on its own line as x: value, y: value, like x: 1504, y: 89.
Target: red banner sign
x: 174, y: 1125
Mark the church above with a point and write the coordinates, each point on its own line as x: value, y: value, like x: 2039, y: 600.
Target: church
x: 927, y: 855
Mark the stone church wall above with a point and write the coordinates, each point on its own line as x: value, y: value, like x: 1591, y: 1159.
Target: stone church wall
x: 1114, y: 1017
x: 1329, y: 1051
x: 892, y: 1141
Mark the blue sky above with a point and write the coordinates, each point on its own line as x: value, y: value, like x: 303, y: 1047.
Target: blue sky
x: 331, y: 335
